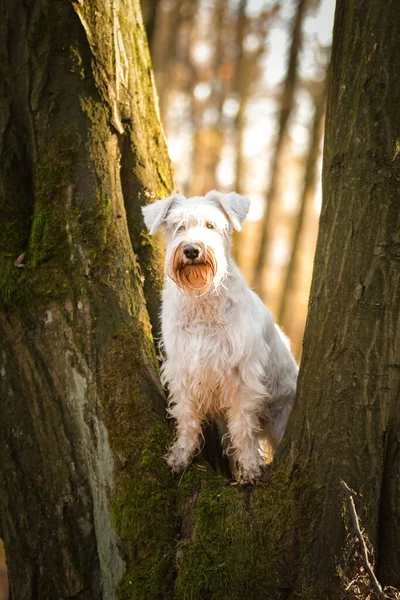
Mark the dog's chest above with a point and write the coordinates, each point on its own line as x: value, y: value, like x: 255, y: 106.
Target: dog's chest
x: 200, y: 336
x: 207, y: 364
x: 205, y: 342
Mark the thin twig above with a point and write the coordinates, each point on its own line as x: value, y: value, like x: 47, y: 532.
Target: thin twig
x: 356, y: 524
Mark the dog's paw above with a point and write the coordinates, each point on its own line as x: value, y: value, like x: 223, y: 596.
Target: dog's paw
x: 177, y: 459
x: 253, y: 473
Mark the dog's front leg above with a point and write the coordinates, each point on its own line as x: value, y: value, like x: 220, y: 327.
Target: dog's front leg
x: 188, y: 432
x: 243, y: 425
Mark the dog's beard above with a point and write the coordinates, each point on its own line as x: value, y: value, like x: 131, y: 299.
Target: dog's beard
x: 194, y: 277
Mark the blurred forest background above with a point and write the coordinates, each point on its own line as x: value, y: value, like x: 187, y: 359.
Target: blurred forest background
x: 242, y: 86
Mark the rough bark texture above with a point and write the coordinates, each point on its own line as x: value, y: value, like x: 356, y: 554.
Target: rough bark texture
x: 346, y: 423
x: 80, y: 149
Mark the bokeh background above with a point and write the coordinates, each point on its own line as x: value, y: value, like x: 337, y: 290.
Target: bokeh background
x: 242, y: 88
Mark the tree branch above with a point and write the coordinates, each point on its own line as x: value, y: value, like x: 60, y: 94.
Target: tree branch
x: 349, y: 493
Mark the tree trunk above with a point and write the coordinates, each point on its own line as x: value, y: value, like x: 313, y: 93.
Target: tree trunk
x: 209, y: 138
x: 307, y: 195
x: 81, y: 149
x: 241, y: 89
x: 219, y: 91
x: 164, y: 49
x: 285, y: 110
x: 346, y: 422
x: 247, y: 72
x: 88, y: 507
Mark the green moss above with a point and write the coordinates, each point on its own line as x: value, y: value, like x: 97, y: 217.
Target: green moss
x: 143, y: 503
x: 97, y: 227
x: 10, y: 280
x: 238, y: 542
x: 48, y: 238
x: 68, y: 236
x: 48, y: 249
x: 77, y: 62
x: 15, y: 209
x: 143, y: 516
x: 218, y: 562
x: 48, y: 260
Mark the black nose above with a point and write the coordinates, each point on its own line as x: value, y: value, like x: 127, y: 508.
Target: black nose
x: 191, y: 251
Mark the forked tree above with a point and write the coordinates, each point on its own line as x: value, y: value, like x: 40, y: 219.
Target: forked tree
x: 88, y: 508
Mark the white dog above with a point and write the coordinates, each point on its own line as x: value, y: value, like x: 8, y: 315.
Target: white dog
x: 225, y: 357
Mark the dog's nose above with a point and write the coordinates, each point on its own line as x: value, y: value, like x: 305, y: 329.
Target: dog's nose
x: 191, y: 251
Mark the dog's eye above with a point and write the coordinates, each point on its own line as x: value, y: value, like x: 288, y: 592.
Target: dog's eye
x: 209, y: 225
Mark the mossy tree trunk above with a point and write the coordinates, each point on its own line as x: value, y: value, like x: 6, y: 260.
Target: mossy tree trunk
x: 88, y: 508
x: 80, y: 150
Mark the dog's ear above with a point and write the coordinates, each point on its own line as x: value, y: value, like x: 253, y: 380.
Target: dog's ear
x: 233, y: 205
x: 155, y: 214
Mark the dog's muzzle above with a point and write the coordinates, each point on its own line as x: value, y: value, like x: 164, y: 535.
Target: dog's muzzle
x: 193, y: 267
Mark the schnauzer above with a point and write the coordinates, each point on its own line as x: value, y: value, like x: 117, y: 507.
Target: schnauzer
x: 225, y: 357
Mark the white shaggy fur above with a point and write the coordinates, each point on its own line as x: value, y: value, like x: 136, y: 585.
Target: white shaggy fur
x: 225, y: 357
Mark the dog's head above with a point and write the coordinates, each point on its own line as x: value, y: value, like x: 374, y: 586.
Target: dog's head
x: 197, y: 232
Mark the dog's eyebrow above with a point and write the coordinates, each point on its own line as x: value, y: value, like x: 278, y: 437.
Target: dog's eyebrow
x: 178, y: 225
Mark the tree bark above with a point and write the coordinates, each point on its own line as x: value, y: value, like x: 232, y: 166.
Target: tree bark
x: 81, y: 149
x: 346, y: 421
